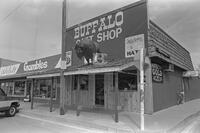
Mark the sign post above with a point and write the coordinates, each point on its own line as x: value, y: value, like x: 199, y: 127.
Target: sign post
x: 142, y: 89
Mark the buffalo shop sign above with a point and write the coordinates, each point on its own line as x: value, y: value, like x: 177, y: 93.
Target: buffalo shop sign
x: 157, y: 73
x: 105, y: 28
x: 112, y: 31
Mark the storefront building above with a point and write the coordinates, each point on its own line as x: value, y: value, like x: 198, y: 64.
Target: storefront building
x: 112, y: 80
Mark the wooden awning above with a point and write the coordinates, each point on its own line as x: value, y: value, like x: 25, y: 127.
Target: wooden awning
x: 113, y: 66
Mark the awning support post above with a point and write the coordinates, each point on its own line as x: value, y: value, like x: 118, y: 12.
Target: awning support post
x: 116, y: 97
x: 77, y: 96
x: 51, y: 95
x: 32, y: 92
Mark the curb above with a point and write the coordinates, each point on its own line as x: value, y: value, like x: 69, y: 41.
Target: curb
x: 181, y: 126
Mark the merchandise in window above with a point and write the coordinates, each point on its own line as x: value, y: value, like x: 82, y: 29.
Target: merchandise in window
x: 43, y: 89
x: 127, y: 82
x: 84, y: 82
x: 19, y: 88
x: 8, y: 87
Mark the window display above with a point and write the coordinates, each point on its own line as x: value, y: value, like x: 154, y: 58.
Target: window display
x: 127, y: 81
x: 19, y: 88
x: 43, y: 88
x: 83, y: 82
x: 14, y: 88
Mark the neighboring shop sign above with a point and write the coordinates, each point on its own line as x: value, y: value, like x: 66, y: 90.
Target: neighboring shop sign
x: 42, y: 64
x: 38, y: 65
x: 9, y: 70
x: 133, y: 44
x: 157, y: 73
x: 116, y: 32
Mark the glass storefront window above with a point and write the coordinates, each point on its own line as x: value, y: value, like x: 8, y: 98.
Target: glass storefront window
x: 19, y: 88
x: 43, y: 88
x: 8, y: 87
x: 74, y: 82
x: 84, y: 82
x: 127, y: 81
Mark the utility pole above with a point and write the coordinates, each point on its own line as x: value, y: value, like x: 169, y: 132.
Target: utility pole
x: 63, y: 60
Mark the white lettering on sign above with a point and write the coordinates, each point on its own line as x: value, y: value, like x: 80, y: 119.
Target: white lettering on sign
x: 133, y: 44
x: 107, y: 28
x: 37, y: 66
x: 9, y: 70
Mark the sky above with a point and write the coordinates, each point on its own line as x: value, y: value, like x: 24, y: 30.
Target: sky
x: 31, y: 29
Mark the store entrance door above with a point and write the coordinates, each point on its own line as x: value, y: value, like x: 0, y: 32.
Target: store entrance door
x: 99, y: 89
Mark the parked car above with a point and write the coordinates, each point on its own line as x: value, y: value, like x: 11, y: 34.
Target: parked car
x: 10, y: 107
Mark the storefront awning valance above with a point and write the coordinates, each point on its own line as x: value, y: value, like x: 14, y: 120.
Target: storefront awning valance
x: 112, y: 66
x: 45, y: 74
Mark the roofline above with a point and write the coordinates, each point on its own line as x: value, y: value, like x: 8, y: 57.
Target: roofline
x: 153, y: 23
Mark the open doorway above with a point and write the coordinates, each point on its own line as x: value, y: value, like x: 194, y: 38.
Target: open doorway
x: 99, y: 89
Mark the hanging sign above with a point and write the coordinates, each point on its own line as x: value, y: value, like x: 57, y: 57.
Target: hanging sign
x: 133, y: 44
x: 157, y: 73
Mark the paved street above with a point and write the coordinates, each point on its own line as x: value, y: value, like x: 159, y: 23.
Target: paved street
x: 23, y: 124
x: 193, y: 127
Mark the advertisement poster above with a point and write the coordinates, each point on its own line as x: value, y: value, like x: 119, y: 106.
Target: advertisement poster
x: 157, y: 73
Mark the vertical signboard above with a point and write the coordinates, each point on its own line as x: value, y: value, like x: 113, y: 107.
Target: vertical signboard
x: 117, y: 32
x: 157, y: 73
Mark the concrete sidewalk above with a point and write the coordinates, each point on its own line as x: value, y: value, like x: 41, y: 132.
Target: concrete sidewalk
x: 98, y: 122
x: 161, y: 121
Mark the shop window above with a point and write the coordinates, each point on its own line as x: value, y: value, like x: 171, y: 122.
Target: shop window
x: 127, y: 82
x: 8, y: 87
x: 19, y: 88
x: 43, y: 89
x: 74, y: 81
x: 84, y: 82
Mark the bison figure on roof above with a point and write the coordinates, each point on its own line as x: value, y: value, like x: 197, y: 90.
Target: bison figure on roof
x: 86, y: 48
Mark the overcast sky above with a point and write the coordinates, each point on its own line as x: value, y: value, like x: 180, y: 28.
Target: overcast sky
x: 30, y: 29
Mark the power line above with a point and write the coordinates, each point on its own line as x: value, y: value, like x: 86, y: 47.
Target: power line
x: 11, y: 12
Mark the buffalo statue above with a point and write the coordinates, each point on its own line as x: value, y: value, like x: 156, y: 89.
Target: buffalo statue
x: 87, y: 48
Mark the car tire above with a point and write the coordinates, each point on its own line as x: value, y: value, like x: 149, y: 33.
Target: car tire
x: 12, y: 111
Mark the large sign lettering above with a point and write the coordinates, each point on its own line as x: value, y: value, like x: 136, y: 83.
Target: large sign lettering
x: 105, y: 28
x: 38, y: 65
x: 9, y: 70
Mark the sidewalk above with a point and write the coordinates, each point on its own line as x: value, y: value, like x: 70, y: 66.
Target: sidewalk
x: 159, y: 122
x: 97, y: 122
